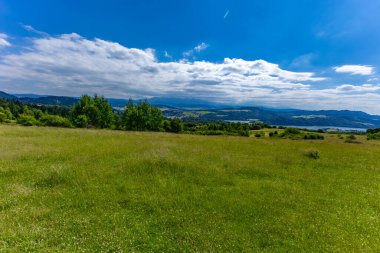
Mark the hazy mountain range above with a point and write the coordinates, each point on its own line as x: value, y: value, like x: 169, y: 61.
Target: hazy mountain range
x: 196, y: 109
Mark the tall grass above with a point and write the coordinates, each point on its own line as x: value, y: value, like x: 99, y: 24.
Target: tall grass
x: 79, y: 190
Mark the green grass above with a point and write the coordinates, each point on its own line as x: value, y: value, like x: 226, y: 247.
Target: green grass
x: 78, y: 190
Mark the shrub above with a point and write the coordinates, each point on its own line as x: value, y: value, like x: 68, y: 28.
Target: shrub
x: 312, y: 153
x: 81, y: 121
x: 27, y: 120
x: 273, y: 134
x: 54, y: 120
x: 3, y: 117
x: 291, y: 130
x: 244, y: 133
x: 176, y: 125
x: 166, y: 126
x: 313, y: 137
x: 211, y: 132
x: 375, y: 136
x: 259, y: 134
x: 351, y: 139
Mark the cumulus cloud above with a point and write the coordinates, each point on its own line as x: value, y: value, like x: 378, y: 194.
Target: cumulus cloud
x: 72, y: 65
x: 355, y: 69
x: 3, y: 40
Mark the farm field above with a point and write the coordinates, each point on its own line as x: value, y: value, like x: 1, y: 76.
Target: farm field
x: 79, y: 190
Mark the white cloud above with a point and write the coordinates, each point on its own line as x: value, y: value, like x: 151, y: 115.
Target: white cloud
x: 72, y: 65
x: 3, y: 40
x: 30, y: 28
x: 373, y: 79
x: 197, y: 49
x: 167, y: 55
x: 355, y: 69
x: 358, y: 88
x: 200, y: 47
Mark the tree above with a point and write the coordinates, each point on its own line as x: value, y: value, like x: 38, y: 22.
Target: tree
x: 93, y: 112
x: 142, y: 117
x: 176, y: 125
x: 106, y: 115
x: 166, y: 126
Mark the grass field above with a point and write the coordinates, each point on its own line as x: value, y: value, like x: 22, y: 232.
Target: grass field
x: 78, y: 190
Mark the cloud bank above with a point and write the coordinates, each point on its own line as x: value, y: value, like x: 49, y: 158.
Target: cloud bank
x: 72, y: 65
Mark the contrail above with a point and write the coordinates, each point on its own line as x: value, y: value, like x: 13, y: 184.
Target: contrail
x: 225, y: 15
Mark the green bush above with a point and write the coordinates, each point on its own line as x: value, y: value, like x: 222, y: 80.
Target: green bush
x: 296, y: 134
x: 81, y: 121
x: 351, y: 139
x: 375, y: 136
x: 291, y: 130
x: 56, y: 121
x: 27, y: 120
x: 313, y: 137
x: 166, y: 126
x: 312, y: 153
x: 273, y: 134
x: 244, y: 133
x: 3, y: 117
x: 176, y: 125
x: 259, y: 134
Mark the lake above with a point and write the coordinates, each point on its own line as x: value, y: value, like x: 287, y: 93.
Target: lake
x: 341, y: 129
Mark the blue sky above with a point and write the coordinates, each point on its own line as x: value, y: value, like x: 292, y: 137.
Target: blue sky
x: 303, y: 54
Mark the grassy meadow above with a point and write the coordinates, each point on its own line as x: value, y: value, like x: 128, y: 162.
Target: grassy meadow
x: 78, y: 190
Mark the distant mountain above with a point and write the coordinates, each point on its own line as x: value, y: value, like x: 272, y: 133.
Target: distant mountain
x: 50, y: 100
x: 4, y: 95
x: 292, y: 117
x: 40, y: 99
x: 185, y: 103
x: 118, y: 102
x: 27, y: 95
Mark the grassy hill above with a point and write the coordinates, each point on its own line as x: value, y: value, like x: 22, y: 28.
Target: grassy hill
x: 97, y: 190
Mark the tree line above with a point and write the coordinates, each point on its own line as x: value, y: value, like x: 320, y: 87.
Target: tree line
x: 96, y: 112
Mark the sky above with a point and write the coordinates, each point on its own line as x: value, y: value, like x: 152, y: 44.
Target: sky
x: 286, y: 54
